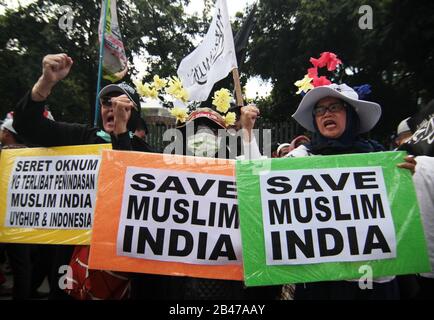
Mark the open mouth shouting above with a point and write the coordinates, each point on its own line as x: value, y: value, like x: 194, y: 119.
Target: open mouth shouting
x: 108, y: 121
x: 329, y: 124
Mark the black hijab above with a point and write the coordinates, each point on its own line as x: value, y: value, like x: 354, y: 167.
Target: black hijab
x: 348, y: 142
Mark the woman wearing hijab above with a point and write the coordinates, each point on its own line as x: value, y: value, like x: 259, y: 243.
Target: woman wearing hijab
x: 202, y: 135
x: 337, y: 118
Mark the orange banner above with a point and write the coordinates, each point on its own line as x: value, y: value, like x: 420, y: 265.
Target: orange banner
x: 217, y: 260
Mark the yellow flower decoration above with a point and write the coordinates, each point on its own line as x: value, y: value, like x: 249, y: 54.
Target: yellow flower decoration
x: 230, y: 118
x: 177, y: 90
x: 180, y: 114
x: 159, y: 83
x: 142, y: 90
x: 304, y: 85
x: 222, y: 100
x: 153, y: 93
x: 183, y: 95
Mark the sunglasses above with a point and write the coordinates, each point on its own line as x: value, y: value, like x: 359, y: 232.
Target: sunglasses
x: 333, y: 108
x: 106, y: 102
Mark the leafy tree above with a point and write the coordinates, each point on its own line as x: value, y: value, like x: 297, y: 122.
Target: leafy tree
x: 394, y: 57
x: 28, y: 33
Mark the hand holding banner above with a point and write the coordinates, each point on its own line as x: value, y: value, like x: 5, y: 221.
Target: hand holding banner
x: 167, y: 216
x: 322, y: 218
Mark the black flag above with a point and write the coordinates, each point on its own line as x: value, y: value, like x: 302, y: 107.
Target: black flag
x: 422, y: 126
x: 241, y: 39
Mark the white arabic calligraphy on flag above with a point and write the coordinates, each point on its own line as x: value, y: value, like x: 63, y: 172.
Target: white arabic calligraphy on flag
x: 212, y: 60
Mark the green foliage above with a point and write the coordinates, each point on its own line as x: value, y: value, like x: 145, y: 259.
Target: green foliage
x: 28, y: 33
x: 395, y: 57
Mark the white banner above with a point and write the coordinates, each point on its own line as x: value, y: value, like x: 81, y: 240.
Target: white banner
x: 178, y: 216
x: 326, y: 215
x: 212, y: 60
x: 52, y: 192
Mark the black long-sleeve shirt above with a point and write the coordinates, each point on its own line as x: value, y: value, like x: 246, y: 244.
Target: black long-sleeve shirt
x: 34, y: 128
x: 31, y: 125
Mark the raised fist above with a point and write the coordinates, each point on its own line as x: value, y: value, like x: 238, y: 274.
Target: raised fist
x: 249, y: 114
x: 56, y: 67
x: 122, y: 107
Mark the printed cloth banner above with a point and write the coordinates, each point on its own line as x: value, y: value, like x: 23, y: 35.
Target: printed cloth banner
x: 48, y: 194
x: 212, y: 60
x: 422, y: 126
x: 115, y: 64
x: 328, y: 217
x: 167, y: 214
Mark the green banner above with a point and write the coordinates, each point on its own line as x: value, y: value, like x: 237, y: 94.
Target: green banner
x: 329, y: 218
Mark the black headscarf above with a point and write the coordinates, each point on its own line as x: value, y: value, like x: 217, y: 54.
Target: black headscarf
x: 348, y: 142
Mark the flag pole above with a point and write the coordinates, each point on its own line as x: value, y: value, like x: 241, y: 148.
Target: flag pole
x: 101, y: 54
x: 238, y: 92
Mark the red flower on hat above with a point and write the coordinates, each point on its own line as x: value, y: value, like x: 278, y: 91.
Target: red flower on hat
x: 328, y: 59
x: 318, y: 63
x: 333, y: 62
x: 312, y: 73
x: 321, y: 81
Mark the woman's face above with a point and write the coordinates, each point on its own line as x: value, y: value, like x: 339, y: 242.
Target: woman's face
x: 107, y: 115
x: 331, y: 117
x: 205, y: 142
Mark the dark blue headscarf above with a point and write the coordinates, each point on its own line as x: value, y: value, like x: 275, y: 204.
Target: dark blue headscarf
x: 348, y: 142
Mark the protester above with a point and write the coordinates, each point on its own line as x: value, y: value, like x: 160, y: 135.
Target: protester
x: 286, y: 148
x: 298, y: 141
x: 33, y: 127
x: 408, y: 284
x: 141, y: 131
x: 28, y: 266
x: 138, y: 140
x: 422, y: 168
x: 4, y: 291
x: 424, y: 183
x: 8, y: 136
x: 274, y: 147
x: 206, y: 139
x: 283, y: 150
x: 336, y: 117
x: 403, y: 132
x: 201, y: 135
x: 19, y: 254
